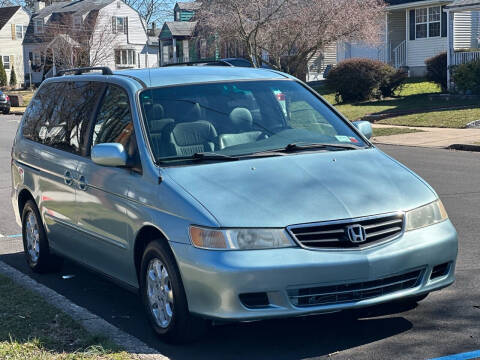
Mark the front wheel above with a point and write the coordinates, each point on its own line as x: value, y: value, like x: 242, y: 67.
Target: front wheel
x: 164, y: 297
x: 35, y: 242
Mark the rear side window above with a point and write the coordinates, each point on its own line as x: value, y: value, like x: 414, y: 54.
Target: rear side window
x: 58, y: 115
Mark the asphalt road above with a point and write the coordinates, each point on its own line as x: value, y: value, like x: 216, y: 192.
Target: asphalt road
x: 447, y: 322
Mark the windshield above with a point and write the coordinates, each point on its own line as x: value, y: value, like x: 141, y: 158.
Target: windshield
x: 239, y: 118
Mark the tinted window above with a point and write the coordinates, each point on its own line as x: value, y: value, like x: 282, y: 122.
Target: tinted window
x: 114, y: 121
x: 58, y: 115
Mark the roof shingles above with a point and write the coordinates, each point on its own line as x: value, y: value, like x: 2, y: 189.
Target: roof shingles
x: 6, y: 14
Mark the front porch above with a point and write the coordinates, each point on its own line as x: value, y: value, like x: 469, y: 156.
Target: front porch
x: 416, y: 32
x: 455, y: 56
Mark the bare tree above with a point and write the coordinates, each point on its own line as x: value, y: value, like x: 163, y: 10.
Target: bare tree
x: 153, y: 11
x: 291, y: 31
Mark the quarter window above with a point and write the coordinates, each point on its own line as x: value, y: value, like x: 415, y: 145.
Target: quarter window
x: 427, y: 22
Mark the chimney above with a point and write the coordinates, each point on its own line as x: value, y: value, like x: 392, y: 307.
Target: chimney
x: 38, y: 5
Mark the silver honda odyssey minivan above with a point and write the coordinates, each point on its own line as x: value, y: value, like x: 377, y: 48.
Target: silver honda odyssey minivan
x: 222, y: 193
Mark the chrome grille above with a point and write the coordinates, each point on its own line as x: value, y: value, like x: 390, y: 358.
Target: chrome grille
x: 352, y: 292
x: 333, y: 234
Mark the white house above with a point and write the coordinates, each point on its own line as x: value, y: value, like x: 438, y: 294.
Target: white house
x: 416, y: 30
x: 13, y: 24
x: 86, y: 32
x: 466, y: 54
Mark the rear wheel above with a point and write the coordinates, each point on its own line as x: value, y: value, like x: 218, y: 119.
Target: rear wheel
x: 35, y: 242
x: 6, y: 112
x: 164, y: 297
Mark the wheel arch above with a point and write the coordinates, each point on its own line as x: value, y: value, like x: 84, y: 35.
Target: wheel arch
x: 23, y: 197
x: 146, y: 235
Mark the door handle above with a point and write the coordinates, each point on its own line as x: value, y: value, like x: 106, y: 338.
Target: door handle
x: 82, y: 183
x: 67, y: 177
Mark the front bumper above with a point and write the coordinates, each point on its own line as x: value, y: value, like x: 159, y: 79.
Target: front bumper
x: 213, y: 280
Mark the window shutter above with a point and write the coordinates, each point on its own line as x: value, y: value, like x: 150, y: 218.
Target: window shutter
x: 13, y: 31
x: 125, y: 26
x: 412, y: 24
x: 12, y: 62
x: 444, y: 22
x: 114, y: 24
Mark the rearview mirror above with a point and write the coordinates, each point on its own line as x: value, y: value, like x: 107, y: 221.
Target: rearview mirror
x: 364, y: 127
x: 109, y: 154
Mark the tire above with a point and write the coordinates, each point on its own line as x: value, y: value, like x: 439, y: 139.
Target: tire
x: 165, y: 301
x: 35, y: 242
x: 6, y: 112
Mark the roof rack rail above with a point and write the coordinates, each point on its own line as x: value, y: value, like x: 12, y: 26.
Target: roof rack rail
x: 78, y: 71
x: 200, y: 62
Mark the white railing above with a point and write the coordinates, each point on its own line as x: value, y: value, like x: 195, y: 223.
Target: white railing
x: 400, y: 55
x: 463, y: 57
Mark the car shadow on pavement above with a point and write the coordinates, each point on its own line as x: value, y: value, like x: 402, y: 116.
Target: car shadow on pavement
x: 292, y: 338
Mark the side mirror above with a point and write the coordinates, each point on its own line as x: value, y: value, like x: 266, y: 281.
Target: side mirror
x: 109, y: 154
x: 364, y: 127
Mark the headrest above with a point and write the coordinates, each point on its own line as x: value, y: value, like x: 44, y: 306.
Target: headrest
x: 194, y: 133
x: 189, y: 112
x: 157, y: 112
x: 241, y: 119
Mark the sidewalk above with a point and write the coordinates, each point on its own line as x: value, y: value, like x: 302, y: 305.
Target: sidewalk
x: 429, y: 137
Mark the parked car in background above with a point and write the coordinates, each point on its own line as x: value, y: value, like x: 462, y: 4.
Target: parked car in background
x: 4, y: 103
x: 222, y: 193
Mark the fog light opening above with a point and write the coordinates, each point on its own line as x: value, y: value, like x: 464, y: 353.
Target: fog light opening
x: 440, y: 270
x: 256, y: 300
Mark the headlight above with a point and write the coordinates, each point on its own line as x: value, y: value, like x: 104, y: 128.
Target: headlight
x: 425, y: 215
x: 239, y: 239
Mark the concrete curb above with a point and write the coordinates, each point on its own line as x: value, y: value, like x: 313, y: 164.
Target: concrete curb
x: 91, y: 322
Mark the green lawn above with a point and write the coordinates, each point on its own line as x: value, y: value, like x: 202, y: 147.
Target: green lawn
x: 412, y: 106
x: 444, y: 118
x: 33, y: 329
x: 393, y: 131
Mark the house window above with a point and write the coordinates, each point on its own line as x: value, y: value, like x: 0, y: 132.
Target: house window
x: 38, y: 26
x: 6, y: 62
x: 35, y: 59
x: 20, y: 31
x: 77, y: 22
x: 125, y: 57
x: 119, y: 24
x: 427, y: 22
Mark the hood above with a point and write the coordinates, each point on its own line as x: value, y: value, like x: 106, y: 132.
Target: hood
x: 302, y: 188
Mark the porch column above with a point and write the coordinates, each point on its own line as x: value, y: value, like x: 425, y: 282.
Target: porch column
x: 160, y: 53
x: 174, y: 49
x: 186, y: 53
x: 387, y: 52
x: 450, y: 47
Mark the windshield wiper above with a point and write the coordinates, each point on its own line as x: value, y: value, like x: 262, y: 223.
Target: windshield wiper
x: 292, y: 147
x: 200, y: 156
